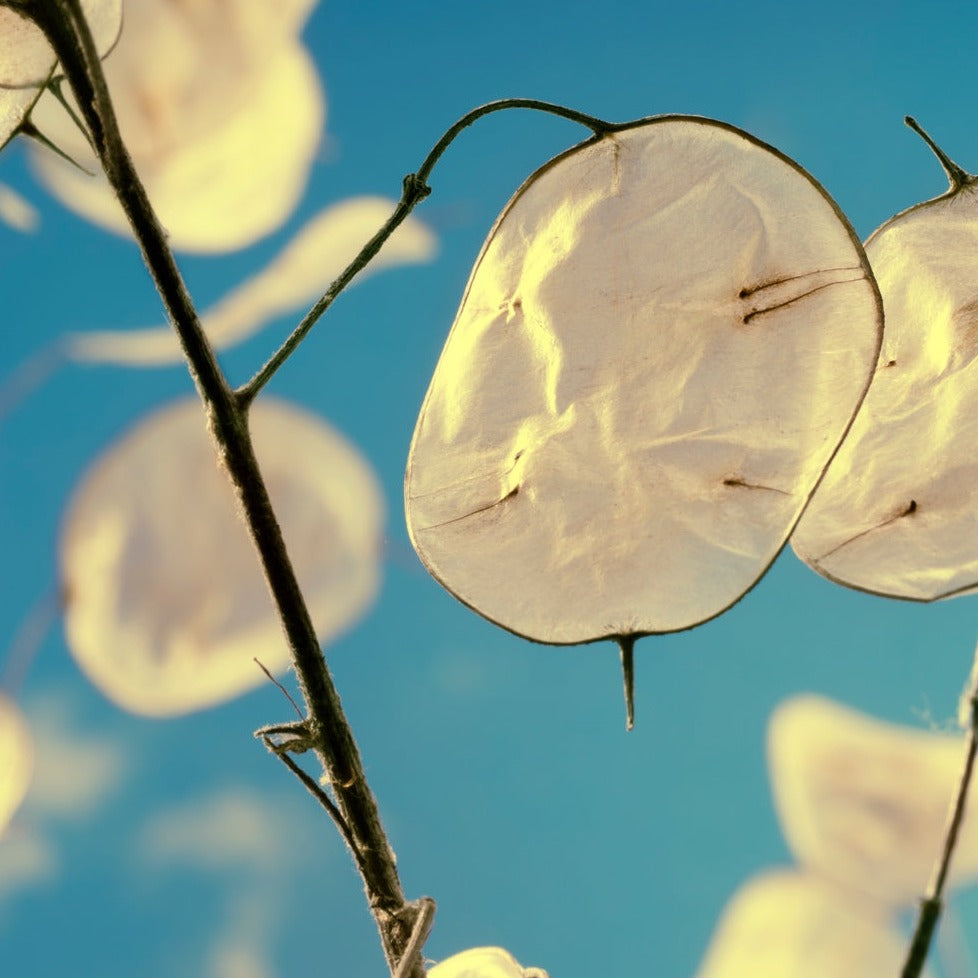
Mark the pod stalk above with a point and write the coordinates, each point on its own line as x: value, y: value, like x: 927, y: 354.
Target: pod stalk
x: 956, y: 176
x: 627, y: 645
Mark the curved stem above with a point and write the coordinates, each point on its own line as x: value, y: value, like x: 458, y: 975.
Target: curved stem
x: 64, y: 25
x: 932, y: 903
x: 415, y: 190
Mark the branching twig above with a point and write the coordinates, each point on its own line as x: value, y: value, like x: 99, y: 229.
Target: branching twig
x: 419, y: 934
x: 314, y: 789
x: 284, y: 691
x: 414, y: 191
x: 64, y: 25
x: 930, y: 906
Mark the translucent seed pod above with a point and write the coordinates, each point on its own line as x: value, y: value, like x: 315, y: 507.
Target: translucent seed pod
x: 483, y: 962
x: 787, y: 923
x: 662, y: 343
x: 864, y: 802
x: 16, y: 759
x: 222, y: 111
x: 26, y: 57
x: 166, y: 606
x: 896, y: 512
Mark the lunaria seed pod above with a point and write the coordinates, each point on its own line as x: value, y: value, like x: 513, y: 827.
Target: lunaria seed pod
x: 166, y: 606
x: 663, y: 341
x: 896, y: 513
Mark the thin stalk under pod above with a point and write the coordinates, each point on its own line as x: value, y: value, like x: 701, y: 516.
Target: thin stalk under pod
x: 627, y: 645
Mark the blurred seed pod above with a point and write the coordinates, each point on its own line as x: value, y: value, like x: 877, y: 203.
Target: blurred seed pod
x: 222, y: 111
x: 165, y: 603
x: 483, y: 962
x: 16, y: 759
x: 785, y: 922
x: 864, y: 803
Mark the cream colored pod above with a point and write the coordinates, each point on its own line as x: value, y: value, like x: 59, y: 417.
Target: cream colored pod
x: 166, y: 606
x: 16, y: 759
x: 27, y: 61
x: 864, y: 803
x: 789, y: 924
x: 897, y: 512
x: 663, y: 340
x: 222, y: 110
x: 484, y: 962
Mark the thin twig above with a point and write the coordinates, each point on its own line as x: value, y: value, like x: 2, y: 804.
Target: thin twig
x: 415, y: 190
x: 930, y: 906
x: 316, y: 791
x: 63, y: 22
x: 286, y: 693
x: 419, y: 934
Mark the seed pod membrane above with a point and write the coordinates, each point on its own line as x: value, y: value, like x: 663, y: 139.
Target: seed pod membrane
x: 783, y: 922
x: 661, y: 344
x: 26, y: 57
x: 16, y: 759
x: 166, y: 605
x: 864, y: 803
x: 897, y: 512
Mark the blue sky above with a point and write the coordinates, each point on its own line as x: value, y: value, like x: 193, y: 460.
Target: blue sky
x: 511, y: 792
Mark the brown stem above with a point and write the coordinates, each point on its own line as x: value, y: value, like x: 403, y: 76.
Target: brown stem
x: 933, y: 901
x: 415, y: 189
x: 63, y: 23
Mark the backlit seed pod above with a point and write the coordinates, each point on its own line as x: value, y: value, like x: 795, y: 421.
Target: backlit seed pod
x: 662, y: 342
x: 897, y: 512
x: 166, y: 606
x: 864, y: 802
x: 16, y: 759
x: 786, y: 923
x: 483, y: 962
x: 26, y: 57
x: 199, y: 86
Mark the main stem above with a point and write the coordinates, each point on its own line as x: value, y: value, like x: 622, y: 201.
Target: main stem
x: 64, y: 24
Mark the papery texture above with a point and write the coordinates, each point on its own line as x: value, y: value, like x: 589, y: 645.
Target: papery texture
x: 222, y: 110
x: 166, y: 605
x: 663, y: 340
x: 864, y: 802
x: 16, y: 759
x: 787, y: 924
x: 897, y: 513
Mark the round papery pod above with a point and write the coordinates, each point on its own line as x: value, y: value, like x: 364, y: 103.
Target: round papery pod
x: 864, y: 802
x: 663, y: 340
x: 897, y: 512
x: 16, y: 759
x: 789, y: 924
x: 166, y: 606
x: 483, y: 962
x: 26, y: 57
x: 198, y: 87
